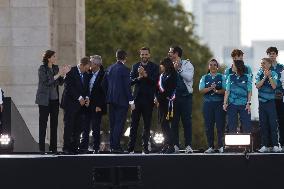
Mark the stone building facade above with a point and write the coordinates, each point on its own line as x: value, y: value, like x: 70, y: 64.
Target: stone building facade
x: 27, y: 29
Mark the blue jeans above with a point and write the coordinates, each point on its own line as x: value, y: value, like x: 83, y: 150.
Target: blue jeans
x: 268, y: 122
x: 213, y: 113
x: 245, y: 118
x: 183, y: 110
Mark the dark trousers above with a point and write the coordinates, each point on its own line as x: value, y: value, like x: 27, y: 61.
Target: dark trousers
x: 1, y: 123
x: 245, y: 118
x: 44, y: 111
x: 117, y: 118
x: 213, y: 113
x: 93, y: 121
x: 183, y: 110
x: 280, y: 117
x: 145, y: 109
x: 73, y: 124
x: 166, y: 125
x: 268, y: 122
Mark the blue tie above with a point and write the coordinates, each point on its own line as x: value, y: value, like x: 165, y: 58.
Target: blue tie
x: 82, y: 78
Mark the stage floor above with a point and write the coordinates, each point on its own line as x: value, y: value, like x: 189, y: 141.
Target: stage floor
x: 151, y: 171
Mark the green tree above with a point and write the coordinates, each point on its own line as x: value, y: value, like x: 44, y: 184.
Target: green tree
x: 131, y: 24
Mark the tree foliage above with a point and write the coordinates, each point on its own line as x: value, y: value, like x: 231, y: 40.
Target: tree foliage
x: 131, y: 24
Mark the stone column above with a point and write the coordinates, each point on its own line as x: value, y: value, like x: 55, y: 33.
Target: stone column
x: 27, y: 29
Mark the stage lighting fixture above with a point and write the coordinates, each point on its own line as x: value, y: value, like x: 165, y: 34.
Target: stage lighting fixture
x: 6, y: 143
x: 159, y: 138
x: 238, y: 142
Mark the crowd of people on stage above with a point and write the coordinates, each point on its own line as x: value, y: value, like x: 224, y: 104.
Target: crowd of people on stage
x: 89, y: 88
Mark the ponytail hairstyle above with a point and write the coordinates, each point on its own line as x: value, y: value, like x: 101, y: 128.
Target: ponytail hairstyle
x: 212, y: 60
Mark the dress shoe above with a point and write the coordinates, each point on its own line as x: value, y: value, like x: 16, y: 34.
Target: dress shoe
x: 84, y: 151
x: 96, y: 152
x: 170, y: 150
x: 164, y: 149
x: 117, y: 151
x: 145, y: 151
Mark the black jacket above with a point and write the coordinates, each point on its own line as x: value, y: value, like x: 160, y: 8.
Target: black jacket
x: 144, y: 88
x: 97, y: 95
x: 73, y: 89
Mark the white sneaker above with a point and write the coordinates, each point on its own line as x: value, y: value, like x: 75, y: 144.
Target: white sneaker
x: 276, y: 149
x: 188, y: 150
x: 176, y: 149
x: 263, y: 149
x: 221, y: 150
x: 209, y: 150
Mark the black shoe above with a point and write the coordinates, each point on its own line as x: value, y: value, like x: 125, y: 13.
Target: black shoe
x: 96, y: 152
x: 117, y: 151
x: 164, y: 149
x: 145, y: 151
x: 170, y: 150
x: 130, y: 150
x: 84, y: 151
x: 67, y: 152
x: 52, y: 152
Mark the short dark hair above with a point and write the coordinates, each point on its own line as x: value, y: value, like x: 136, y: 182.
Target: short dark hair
x: 237, y: 52
x: 168, y: 64
x: 240, y: 65
x: 146, y: 49
x: 85, y: 60
x: 272, y: 49
x: 121, y: 54
x: 177, y: 49
x: 46, y: 55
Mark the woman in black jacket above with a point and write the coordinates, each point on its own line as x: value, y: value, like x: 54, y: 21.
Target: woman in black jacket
x: 47, y: 98
x: 166, y: 95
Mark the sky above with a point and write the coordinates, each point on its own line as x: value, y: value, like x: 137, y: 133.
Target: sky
x: 260, y: 20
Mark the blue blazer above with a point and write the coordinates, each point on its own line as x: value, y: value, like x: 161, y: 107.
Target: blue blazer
x: 118, y: 85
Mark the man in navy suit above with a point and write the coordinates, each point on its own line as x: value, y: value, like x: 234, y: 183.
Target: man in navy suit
x: 119, y: 98
x: 97, y: 106
x: 144, y: 76
x: 74, y: 101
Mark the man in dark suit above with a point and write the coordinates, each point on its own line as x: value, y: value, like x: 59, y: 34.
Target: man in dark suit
x: 97, y: 106
x: 144, y: 76
x: 74, y: 99
x: 119, y: 98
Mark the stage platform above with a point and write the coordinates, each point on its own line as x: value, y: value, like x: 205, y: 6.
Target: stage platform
x: 150, y: 171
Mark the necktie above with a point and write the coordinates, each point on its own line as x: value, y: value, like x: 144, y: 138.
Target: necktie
x: 82, y: 78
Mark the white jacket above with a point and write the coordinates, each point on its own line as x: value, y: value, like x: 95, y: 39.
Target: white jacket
x: 187, y: 72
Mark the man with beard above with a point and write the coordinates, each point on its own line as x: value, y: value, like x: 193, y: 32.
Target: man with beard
x: 183, y: 101
x: 144, y: 76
